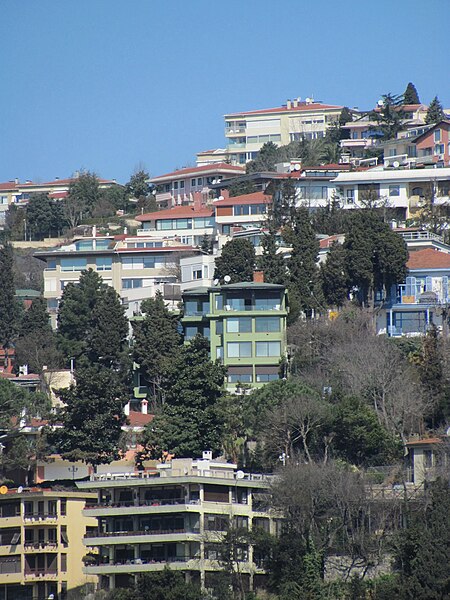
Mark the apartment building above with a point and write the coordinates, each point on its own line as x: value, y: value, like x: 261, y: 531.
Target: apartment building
x: 248, y: 131
x: 246, y: 325
x: 397, y: 188
x: 135, y: 266
x: 41, y: 546
x: 248, y: 211
x: 175, y: 518
x: 184, y: 186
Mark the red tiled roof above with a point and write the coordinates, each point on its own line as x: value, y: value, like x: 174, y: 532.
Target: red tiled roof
x: 326, y: 242
x: 255, y: 198
x: 428, y: 259
x: 138, y: 419
x: 213, y: 168
x: 57, y: 182
x: 425, y: 441
x: 178, y: 212
x: 8, y: 185
x: 180, y: 248
x: 58, y: 194
x: 302, y: 107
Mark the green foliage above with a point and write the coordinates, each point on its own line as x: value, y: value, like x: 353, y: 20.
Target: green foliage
x: 388, y: 118
x: 84, y: 195
x: 44, y: 217
x: 138, y: 186
x: 334, y: 276
x: 410, y: 95
x: 266, y: 159
x: 165, y: 585
x: 302, y: 267
x: 376, y: 255
x: 435, y: 112
x: 156, y: 342
x: 92, y: 416
x: 272, y: 264
x: 207, y: 244
x: 241, y: 187
x: 75, y: 313
x: 422, y: 551
x: 237, y: 260
x: 36, y: 318
x: 9, y: 310
x: 359, y: 438
x: 188, y: 423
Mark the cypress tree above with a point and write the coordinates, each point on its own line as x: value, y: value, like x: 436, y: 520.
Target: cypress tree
x: 9, y: 310
x: 410, y: 95
x: 435, y: 112
x: 334, y: 276
x: 237, y: 261
x: 272, y: 264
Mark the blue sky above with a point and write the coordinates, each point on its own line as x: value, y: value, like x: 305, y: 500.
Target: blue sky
x: 111, y: 85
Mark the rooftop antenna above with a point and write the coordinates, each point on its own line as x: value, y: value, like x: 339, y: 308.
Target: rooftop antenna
x: 227, y: 279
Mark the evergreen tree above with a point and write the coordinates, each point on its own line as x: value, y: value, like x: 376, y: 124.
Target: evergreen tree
x: 106, y: 340
x: 75, y: 312
x: 282, y: 210
x: 435, y: 112
x: 92, y: 417
x: 156, y: 342
x: 207, y: 244
x: 302, y: 267
x: 36, y: 318
x: 237, y: 260
x: 266, y: 159
x: 83, y: 196
x: 138, y: 187
x: 410, y: 95
x: 272, y: 264
x: 188, y: 422
x: 334, y: 276
x: 9, y: 310
x: 239, y: 187
x: 39, y: 215
x: 388, y: 117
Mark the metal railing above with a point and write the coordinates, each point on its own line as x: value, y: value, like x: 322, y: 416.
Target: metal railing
x: 99, y: 534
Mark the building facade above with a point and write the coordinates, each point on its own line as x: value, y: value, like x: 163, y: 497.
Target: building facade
x: 175, y: 518
x: 246, y: 325
x: 41, y: 545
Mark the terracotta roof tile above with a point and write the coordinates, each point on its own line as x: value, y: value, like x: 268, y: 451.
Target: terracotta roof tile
x: 428, y: 259
x: 255, y: 198
x: 213, y: 168
x: 302, y: 107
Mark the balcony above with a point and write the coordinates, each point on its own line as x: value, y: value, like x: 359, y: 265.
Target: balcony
x: 143, y: 503
x: 40, y: 547
x: 40, y: 518
x: 145, y: 532
x: 230, y: 131
x: 41, y: 574
x: 139, y: 565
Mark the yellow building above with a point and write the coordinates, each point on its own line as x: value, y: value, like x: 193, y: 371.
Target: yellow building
x: 41, y: 543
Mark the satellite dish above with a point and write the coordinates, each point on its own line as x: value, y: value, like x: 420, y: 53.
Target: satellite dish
x: 20, y: 489
x: 380, y: 102
x: 396, y: 164
x: 227, y: 279
x: 448, y: 432
x: 216, y: 281
x: 240, y: 474
x: 220, y: 198
x: 297, y: 167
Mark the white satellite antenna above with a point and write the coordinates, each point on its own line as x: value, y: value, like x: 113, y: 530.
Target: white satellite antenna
x: 297, y: 167
x: 19, y: 489
x: 216, y: 281
x: 380, y: 103
x: 227, y: 279
x: 396, y: 164
x: 240, y: 474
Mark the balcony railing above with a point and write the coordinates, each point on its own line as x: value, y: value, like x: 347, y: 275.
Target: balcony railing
x: 41, y: 573
x: 41, y: 546
x: 100, y: 534
x: 145, y: 561
x: 36, y: 517
x: 132, y: 504
x: 192, y: 472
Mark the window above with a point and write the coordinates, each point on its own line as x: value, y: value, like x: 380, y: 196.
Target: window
x: 219, y: 352
x: 350, y: 196
x: 266, y: 377
x: 175, y: 185
x: 52, y: 536
x: 239, y: 325
x: 417, y: 191
x: 267, y: 324
x: 219, y: 327
x: 439, y: 149
x: 437, y: 135
x: 63, y: 507
x: 181, y: 185
x: 193, y: 182
x: 51, y: 264
x: 73, y: 264
x: 130, y: 284
x: 200, y: 181
x: 268, y: 348
x: 239, y: 377
x: 52, y: 508
x: 394, y: 190
x: 197, y: 274
x: 239, y: 349
x: 104, y: 263
x: 190, y: 332
x: 64, y: 562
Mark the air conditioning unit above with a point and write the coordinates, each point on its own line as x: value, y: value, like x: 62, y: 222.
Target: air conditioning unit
x: 227, y: 307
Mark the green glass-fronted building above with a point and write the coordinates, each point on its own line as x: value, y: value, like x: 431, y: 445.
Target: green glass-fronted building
x: 246, y: 325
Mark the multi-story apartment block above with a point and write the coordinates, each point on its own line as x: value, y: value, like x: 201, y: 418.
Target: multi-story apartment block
x: 247, y: 132
x: 135, y: 266
x: 185, y: 186
x: 176, y: 517
x: 41, y: 545
x: 402, y: 189
x: 240, y: 212
x: 246, y: 325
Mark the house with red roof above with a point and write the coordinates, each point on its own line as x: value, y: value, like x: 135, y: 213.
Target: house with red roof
x: 422, y: 300
x: 191, y: 185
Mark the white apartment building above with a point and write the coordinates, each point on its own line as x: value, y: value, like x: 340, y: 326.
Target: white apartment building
x: 248, y: 131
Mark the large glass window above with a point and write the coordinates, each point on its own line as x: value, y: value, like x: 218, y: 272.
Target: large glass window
x: 104, y: 263
x: 269, y: 302
x: 190, y: 332
x: 129, y: 284
x: 268, y: 348
x: 267, y: 324
x: 239, y: 349
x: 239, y: 325
x: 73, y: 264
x: 394, y: 190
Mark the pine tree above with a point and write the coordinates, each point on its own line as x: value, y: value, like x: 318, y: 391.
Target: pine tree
x: 435, y: 112
x: 189, y: 420
x: 410, y: 95
x: 237, y: 261
x: 9, y: 311
x: 334, y: 276
x: 272, y: 264
x: 156, y: 342
x: 92, y: 417
x: 302, y: 267
x: 388, y: 117
x: 36, y: 318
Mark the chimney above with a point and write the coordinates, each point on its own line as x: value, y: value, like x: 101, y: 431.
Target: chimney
x: 144, y: 407
x: 126, y: 409
x: 258, y: 276
x: 225, y: 194
x: 288, y: 104
x: 207, y: 455
x: 197, y: 201
x: 295, y: 103
x: 16, y: 180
